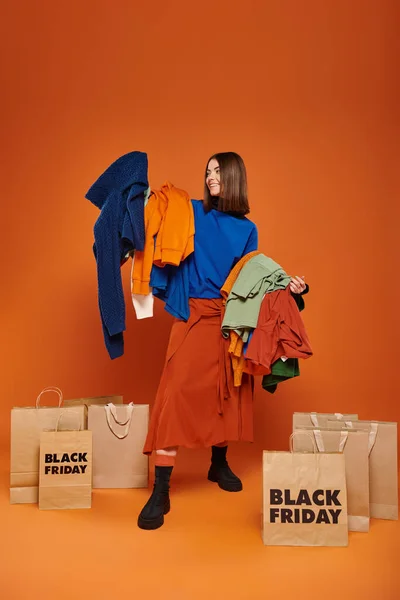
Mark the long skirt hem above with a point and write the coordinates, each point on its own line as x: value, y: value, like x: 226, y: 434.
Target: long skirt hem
x: 197, y: 404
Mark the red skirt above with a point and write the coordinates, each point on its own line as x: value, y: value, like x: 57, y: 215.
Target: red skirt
x: 197, y: 404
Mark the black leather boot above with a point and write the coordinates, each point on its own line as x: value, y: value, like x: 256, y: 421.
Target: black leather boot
x: 158, y: 505
x: 220, y: 471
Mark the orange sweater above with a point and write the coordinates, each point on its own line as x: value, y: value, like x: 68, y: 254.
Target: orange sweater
x: 169, y: 216
x: 236, y: 345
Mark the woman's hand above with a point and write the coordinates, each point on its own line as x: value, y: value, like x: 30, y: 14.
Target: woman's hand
x: 297, y: 285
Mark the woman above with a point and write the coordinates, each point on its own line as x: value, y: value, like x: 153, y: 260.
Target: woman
x: 196, y: 404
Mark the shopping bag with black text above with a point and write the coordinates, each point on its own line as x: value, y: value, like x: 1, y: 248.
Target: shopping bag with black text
x: 26, y: 425
x: 65, y: 469
x: 304, y: 499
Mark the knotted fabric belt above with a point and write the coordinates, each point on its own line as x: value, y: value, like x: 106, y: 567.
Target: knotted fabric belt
x: 207, y: 309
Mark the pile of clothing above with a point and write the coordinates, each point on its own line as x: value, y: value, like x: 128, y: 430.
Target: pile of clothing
x: 262, y: 319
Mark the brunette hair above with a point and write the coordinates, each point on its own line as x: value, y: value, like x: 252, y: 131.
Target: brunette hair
x: 233, y: 180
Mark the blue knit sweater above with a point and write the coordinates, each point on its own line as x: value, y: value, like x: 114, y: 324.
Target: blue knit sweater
x: 119, y: 193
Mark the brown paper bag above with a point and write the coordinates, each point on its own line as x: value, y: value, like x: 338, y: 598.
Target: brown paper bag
x: 314, y: 419
x: 119, y: 433
x: 86, y: 402
x: 383, y: 475
x: 304, y: 499
x: 26, y: 425
x: 65, y: 469
x: 354, y: 445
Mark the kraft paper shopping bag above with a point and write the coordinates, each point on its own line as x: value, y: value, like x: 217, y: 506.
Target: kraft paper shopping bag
x: 383, y: 474
x: 119, y: 433
x: 304, y: 499
x: 314, y: 419
x: 354, y: 445
x: 65, y: 469
x: 86, y: 402
x: 26, y: 425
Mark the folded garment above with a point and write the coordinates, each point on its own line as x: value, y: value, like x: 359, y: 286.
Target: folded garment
x: 280, y: 332
x: 281, y: 370
x: 236, y: 342
x: 259, y: 276
x: 235, y: 272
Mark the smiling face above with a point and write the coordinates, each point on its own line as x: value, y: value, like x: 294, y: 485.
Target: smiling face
x: 225, y: 184
x: 213, y: 178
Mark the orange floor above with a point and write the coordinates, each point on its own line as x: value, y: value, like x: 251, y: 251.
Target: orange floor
x: 210, y: 547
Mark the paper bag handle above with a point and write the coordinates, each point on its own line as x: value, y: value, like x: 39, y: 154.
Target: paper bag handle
x: 299, y: 432
x: 50, y: 389
x: 349, y: 424
x: 111, y: 412
x: 62, y: 413
x: 314, y: 419
x: 320, y: 442
x: 372, y: 437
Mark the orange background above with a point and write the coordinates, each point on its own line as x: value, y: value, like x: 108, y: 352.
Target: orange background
x: 305, y: 91
x: 306, y: 95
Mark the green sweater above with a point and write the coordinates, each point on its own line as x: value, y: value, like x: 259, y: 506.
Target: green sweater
x: 258, y: 276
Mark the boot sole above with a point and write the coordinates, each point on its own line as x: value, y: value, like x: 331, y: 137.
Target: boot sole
x: 149, y: 525
x: 153, y: 524
x: 233, y: 488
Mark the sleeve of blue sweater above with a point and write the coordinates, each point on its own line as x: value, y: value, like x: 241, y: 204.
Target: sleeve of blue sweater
x: 108, y: 256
